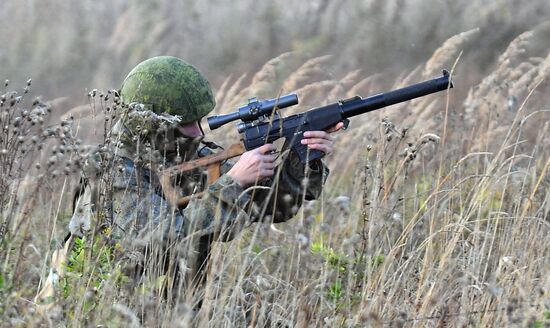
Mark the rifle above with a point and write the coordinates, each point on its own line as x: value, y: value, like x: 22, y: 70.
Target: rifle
x: 261, y: 123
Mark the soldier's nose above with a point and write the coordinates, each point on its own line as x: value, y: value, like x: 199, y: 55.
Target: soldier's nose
x: 191, y: 130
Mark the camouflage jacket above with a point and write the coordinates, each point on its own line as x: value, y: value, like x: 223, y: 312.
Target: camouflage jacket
x: 132, y: 203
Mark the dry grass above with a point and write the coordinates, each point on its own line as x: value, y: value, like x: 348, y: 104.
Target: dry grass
x: 69, y: 48
x: 435, y: 216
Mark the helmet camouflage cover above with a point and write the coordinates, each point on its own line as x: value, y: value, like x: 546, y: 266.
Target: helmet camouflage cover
x: 169, y: 85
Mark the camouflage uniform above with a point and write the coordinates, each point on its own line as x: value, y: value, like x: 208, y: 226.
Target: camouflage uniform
x: 140, y: 211
x: 136, y: 208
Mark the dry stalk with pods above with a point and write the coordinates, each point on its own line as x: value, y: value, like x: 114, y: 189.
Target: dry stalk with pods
x: 77, y: 259
x: 384, y: 192
x: 36, y: 159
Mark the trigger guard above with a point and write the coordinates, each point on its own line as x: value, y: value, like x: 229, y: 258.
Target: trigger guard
x: 346, y: 123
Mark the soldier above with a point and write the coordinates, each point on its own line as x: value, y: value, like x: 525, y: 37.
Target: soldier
x: 165, y: 130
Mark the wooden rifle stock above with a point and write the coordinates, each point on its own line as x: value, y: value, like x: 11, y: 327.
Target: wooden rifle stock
x: 212, y: 164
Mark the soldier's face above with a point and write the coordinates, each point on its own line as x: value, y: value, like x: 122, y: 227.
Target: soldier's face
x: 191, y: 130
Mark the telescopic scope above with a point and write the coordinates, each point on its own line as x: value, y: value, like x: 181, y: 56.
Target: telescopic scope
x: 253, y: 110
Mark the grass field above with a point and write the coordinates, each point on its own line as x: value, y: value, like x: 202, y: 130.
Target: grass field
x: 435, y: 213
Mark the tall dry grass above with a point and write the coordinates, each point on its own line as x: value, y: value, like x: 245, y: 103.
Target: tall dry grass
x: 435, y: 213
x: 68, y: 48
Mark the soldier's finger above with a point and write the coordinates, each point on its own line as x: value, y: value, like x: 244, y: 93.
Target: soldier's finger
x: 325, y: 148
x: 266, y: 148
x: 269, y: 158
x: 312, y: 141
x: 317, y: 134
x: 264, y: 173
x: 335, y: 128
x: 267, y: 165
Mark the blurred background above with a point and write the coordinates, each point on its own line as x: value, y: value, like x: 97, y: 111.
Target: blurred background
x: 69, y: 48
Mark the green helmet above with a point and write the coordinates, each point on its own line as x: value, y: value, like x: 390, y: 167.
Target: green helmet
x: 169, y: 85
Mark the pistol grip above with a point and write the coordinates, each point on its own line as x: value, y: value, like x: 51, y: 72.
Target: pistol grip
x: 305, y: 154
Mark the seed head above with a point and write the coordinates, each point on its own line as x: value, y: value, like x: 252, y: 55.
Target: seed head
x: 343, y: 203
x: 302, y: 240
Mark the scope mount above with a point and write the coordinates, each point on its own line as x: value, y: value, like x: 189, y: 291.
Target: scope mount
x: 254, y: 107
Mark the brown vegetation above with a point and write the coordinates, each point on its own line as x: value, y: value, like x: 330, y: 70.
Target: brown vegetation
x: 436, y: 212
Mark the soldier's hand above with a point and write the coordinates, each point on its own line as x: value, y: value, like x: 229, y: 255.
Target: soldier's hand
x: 321, y: 140
x: 254, y: 165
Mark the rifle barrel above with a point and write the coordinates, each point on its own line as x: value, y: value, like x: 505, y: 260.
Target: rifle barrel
x: 358, y: 105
